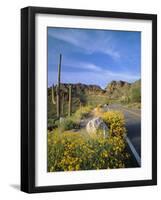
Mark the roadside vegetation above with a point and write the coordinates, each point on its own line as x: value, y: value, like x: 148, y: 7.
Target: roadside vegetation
x: 71, y: 148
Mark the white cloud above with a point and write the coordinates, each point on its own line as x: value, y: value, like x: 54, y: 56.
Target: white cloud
x: 114, y: 54
x: 97, y: 77
x: 96, y: 69
x: 100, y: 42
x: 83, y: 65
x: 66, y: 37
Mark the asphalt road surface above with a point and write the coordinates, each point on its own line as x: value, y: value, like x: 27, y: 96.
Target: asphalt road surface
x: 133, y: 125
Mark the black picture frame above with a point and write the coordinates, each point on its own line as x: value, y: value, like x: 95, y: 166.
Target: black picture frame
x: 28, y: 98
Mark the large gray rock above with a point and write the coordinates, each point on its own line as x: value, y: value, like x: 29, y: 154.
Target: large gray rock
x: 97, y: 124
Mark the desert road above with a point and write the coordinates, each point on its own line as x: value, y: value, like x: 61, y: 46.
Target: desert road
x: 133, y: 125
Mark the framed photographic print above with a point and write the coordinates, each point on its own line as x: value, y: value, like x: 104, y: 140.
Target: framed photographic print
x: 88, y: 99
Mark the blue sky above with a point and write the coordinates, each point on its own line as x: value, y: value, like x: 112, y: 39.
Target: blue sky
x: 93, y: 56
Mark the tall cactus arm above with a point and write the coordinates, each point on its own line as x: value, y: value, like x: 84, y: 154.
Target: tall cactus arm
x: 58, y: 87
x: 62, y: 104
x: 52, y: 95
x: 59, y: 70
x: 70, y: 101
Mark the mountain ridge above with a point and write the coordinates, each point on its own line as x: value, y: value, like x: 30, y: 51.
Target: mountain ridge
x: 110, y: 89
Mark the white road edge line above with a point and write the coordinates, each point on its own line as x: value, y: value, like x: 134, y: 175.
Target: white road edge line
x: 137, y: 157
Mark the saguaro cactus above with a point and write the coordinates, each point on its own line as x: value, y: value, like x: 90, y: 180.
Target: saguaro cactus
x: 62, y: 104
x: 58, y: 88
x: 80, y: 104
x: 53, y: 95
x: 70, y: 101
x: 59, y: 106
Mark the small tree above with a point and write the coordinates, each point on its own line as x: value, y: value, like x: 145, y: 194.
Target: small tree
x: 136, y: 95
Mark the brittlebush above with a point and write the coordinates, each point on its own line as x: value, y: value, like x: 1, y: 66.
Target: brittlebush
x: 114, y: 120
x: 116, y: 123
x: 71, y: 151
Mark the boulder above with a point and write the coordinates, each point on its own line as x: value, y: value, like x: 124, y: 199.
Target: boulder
x: 105, y: 108
x: 97, y: 124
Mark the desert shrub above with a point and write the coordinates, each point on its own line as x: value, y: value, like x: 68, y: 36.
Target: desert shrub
x: 98, y: 111
x: 70, y: 151
x: 82, y: 112
x: 68, y: 124
x: 125, y: 100
x: 52, y: 123
x: 136, y: 105
x: 136, y: 94
x: 116, y: 123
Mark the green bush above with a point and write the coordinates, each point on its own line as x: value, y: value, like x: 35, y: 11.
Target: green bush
x: 136, y: 94
x: 68, y: 124
x: 52, y: 123
x: 82, y: 112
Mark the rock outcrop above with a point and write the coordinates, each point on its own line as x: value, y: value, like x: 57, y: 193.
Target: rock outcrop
x: 95, y: 125
x: 117, y: 85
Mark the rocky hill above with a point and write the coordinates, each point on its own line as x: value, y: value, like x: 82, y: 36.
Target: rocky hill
x: 124, y: 91
x: 79, y: 90
x: 114, y: 90
x: 82, y: 94
x: 114, y: 85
